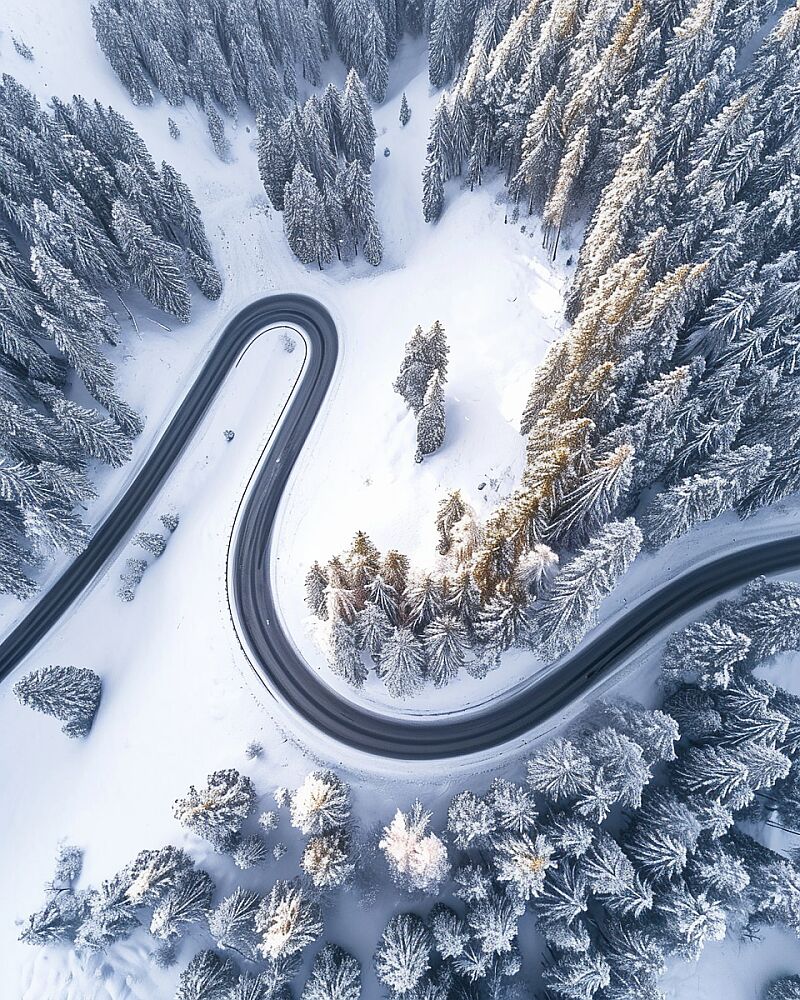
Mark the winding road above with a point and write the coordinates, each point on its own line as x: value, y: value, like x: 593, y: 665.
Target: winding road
x: 287, y: 677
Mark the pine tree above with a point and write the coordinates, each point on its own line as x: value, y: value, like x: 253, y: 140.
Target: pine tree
x: 304, y: 219
x: 343, y: 651
x: 287, y: 921
x: 321, y: 804
x: 417, y: 858
x: 327, y: 860
x: 273, y: 165
x: 402, y: 958
x: 405, y: 111
x: 445, y: 640
x: 71, y: 694
x: 335, y: 975
x: 250, y: 852
x: 153, y: 263
x: 208, y: 976
x: 188, y: 902
x: 431, y: 419
x: 402, y: 665
x: 581, y: 586
x: 218, y: 811
x: 470, y: 821
x: 316, y: 583
x: 216, y: 129
x: 358, y: 128
x: 450, y: 932
x: 232, y: 922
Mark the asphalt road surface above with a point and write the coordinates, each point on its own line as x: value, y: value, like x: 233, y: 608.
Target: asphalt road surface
x: 287, y: 677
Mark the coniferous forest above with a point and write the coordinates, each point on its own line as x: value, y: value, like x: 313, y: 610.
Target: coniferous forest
x: 86, y: 217
x: 669, y: 132
x: 652, y: 149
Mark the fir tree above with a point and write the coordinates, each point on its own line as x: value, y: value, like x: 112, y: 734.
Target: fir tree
x: 335, y: 975
x: 287, y: 921
x: 402, y: 958
x: 402, y: 665
x: 208, y: 976
x: 153, y: 262
x: 321, y: 804
x: 405, y: 111
x: 358, y: 128
x: 71, y: 694
x: 218, y: 811
x: 232, y: 922
x: 431, y: 419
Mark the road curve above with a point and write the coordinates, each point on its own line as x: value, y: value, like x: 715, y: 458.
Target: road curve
x: 285, y: 674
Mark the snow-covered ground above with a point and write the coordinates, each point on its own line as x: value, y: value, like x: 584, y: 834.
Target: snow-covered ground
x: 179, y: 698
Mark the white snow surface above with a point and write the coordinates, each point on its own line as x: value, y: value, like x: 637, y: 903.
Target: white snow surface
x: 179, y: 698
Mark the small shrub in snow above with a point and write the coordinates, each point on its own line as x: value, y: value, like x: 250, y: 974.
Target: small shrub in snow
x: 170, y: 520
x: 250, y: 853
x: 268, y: 821
x: 253, y: 750
x: 174, y: 131
x: 131, y: 578
x: 405, y: 111
x: 279, y: 850
x: 71, y: 694
x: 229, y: 436
x: 22, y: 49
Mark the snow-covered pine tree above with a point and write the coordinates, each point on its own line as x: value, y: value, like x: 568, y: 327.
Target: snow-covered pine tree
x: 153, y: 262
x: 208, y: 975
x: 582, y: 584
x: 402, y: 664
x: 71, y: 694
x: 218, y: 811
x: 321, y: 804
x: 327, y: 860
x: 358, y: 128
x: 335, y: 975
x: 216, y: 129
x: 431, y: 419
x: 186, y: 903
x: 405, y: 111
x: 416, y: 857
x: 402, y: 958
x: 305, y: 221
x: 232, y: 922
x: 287, y: 921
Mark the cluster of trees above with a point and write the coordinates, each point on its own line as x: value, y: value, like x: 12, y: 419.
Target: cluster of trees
x: 70, y: 694
x: 419, y: 627
x: 84, y: 212
x: 315, y: 165
x: 421, y: 384
x: 678, y: 367
x: 155, y: 544
x: 624, y: 844
x: 163, y: 891
x: 255, y: 51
